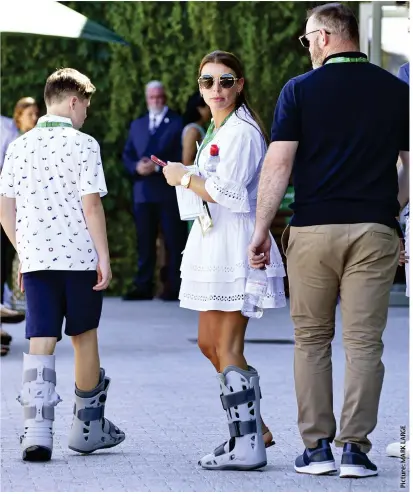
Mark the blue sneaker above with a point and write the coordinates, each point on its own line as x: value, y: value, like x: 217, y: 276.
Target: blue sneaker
x: 355, y: 464
x: 316, y: 461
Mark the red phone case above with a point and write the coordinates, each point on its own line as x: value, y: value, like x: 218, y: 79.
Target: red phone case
x: 158, y: 161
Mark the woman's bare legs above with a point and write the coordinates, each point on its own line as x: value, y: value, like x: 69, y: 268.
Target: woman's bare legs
x: 221, y: 338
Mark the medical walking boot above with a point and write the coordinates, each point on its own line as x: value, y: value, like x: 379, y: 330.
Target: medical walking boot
x: 90, y: 429
x: 240, y: 397
x: 38, y: 397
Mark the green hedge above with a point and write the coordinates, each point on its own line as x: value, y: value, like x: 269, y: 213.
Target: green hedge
x: 167, y: 42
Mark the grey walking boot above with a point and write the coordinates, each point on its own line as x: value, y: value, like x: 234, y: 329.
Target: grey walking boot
x: 90, y: 429
x: 38, y: 398
x: 241, y: 399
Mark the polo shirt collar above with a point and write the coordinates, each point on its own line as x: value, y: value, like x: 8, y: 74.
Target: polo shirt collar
x: 347, y: 54
x: 55, y: 118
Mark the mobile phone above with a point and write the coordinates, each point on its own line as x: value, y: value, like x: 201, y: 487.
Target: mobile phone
x: 158, y: 161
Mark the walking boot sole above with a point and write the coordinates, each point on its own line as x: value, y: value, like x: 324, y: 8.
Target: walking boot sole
x: 235, y: 467
x: 96, y: 449
x: 37, y: 454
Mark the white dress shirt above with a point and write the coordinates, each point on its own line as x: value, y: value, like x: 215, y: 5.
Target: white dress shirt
x: 155, y: 120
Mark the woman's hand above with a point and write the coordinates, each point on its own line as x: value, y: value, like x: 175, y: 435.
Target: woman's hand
x: 174, y: 172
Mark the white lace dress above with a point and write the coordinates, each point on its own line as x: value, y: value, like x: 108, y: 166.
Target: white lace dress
x: 215, y: 266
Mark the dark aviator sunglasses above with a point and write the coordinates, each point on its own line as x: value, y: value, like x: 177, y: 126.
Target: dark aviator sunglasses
x: 226, y: 81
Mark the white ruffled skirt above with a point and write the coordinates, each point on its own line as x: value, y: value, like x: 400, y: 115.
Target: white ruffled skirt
x: 215, y: 266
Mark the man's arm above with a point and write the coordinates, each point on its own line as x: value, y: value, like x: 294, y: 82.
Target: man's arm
x: 403, y: 173
x: 129, y: 156
x: 274, y: 179
x: 178, y: 140
x: 8, y: 218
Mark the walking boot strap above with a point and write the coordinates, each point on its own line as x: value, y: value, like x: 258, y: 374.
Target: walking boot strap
x: 39, y: 411
x: 239, y: 428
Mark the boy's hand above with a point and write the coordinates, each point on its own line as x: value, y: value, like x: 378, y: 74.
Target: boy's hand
x: 403, y: 257
x: 104, y: 275
x: 20, y: 278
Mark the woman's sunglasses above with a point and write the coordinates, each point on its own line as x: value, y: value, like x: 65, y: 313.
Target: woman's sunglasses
x: 226, y: 81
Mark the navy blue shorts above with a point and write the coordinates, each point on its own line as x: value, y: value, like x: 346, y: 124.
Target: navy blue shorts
x: 52, y: 296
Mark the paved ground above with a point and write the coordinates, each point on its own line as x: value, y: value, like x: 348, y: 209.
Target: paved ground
x: 165, y: 396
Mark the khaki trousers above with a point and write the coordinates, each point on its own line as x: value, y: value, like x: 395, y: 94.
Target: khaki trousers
x: 357, y: 262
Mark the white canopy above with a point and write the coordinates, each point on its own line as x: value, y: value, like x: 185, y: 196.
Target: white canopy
x: 51, y: 18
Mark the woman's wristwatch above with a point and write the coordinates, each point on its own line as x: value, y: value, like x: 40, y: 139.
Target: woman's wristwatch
x: 186, y: 179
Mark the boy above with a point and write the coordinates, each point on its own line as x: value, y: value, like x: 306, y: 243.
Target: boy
x: 50, y: 188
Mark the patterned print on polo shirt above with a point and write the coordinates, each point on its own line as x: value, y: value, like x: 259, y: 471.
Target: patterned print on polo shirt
x: 47, y: 171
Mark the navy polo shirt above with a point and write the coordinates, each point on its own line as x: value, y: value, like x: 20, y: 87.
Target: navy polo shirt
x: 350, y: 120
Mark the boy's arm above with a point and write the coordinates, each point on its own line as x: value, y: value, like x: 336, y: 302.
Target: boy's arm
x: 8, y: 217
x: 96, y: 223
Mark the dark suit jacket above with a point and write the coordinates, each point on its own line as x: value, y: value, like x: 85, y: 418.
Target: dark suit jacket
x: 165, y: 144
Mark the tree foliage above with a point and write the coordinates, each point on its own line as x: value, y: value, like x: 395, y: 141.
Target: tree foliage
x: 167, y: 42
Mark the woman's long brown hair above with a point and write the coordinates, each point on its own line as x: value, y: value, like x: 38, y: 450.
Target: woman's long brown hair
x: 231, y: 61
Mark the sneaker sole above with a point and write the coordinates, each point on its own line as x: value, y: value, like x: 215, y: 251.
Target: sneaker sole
x: 319, y: 468
x: 356, y: 472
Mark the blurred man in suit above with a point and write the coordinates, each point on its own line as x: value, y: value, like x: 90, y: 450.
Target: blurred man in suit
x: 157, y: 133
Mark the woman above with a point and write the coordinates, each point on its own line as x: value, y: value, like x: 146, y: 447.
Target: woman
x: 215, y: 265
x: 196, y: 115
x: 26, y: 114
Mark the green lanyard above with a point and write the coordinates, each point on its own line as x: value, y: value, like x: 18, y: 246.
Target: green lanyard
x: 210, y: 135
x: 54, y: 124
x: 346, y: 60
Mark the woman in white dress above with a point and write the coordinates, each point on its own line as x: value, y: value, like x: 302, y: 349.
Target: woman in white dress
x: 215, y: 263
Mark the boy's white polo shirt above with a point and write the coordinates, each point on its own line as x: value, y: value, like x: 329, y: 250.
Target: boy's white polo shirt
x: 48, y: 170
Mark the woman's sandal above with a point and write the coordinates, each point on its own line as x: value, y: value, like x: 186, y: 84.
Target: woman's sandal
x: 267, y: 436
x: 11, y: 316
x: 5, y: 338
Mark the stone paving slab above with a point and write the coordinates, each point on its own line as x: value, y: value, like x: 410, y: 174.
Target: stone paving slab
x: 165, y: 396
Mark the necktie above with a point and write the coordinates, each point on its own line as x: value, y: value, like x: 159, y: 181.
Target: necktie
x: 153, y: 125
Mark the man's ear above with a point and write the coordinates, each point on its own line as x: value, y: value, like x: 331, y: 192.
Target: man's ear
x: 324, y: 36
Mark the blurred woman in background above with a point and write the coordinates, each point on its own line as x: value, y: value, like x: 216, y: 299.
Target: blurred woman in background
x: 25, y: 116
x: 196, y: 116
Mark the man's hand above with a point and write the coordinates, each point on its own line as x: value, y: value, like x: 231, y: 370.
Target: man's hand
x: 403, y: 257
x: 145, y: 166
x: 104, y: 275
x: 259, y: 249
x: 20, y: 283
x: 174, y: 172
